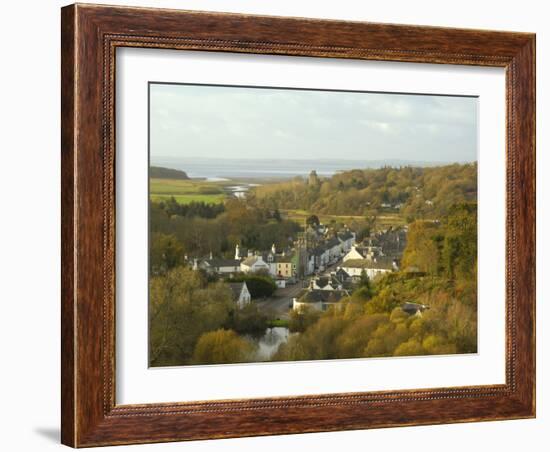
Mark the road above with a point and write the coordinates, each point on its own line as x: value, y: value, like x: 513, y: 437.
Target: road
x: 278, y: 305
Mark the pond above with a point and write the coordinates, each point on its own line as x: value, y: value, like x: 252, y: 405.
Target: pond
x: 269, y: 342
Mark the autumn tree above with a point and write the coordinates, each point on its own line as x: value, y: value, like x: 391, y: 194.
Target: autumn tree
x: 422, y: 250
x: 181, y: 308
x: 222, y: 347
x: 165, y: 253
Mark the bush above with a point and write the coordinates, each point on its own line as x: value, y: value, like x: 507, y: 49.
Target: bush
x: 258, y: 285
x: 222, y: 347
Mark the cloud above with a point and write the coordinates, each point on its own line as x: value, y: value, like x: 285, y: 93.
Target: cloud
x: 213, y: 121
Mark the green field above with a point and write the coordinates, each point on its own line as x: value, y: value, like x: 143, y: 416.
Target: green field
x: 186, y: 191
x: 186, y: 199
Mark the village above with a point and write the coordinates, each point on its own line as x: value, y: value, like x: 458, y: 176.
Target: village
x: 320, y: 268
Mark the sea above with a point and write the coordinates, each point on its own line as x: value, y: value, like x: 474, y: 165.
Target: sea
x: 228, y: 168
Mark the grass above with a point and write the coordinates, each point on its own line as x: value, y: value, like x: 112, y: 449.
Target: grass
x: 186, y: 191
x: 278, y: 322
x: 186, y: 199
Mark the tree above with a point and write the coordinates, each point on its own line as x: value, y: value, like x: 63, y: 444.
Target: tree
x: 313, y: 220
x: 259, y: 285
x: 410, y: 348
x: 302, y: 319
x: 248, y: 319
x: 165, y: 253
x: 364, y: 282
x: 460, y: 243
x: 422, y: 250
x: 222, y: 347
x: 181, y: 308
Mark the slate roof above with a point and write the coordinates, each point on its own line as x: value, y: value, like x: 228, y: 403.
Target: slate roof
x: 250, y: 261
x: 318, y: 251
x: 236, y: 288
x: 323, y: 296
x: 323, y: 281
x: 332, y: 242
x: 345, y: 235
x: 413, y: 308
x: 283, y: 259
x: 217, y: 263
x: 342, y: 274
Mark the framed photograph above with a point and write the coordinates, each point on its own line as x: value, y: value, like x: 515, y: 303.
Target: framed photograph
x: 281, y: 225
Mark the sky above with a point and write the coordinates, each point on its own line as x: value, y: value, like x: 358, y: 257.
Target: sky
x: 266, y: 123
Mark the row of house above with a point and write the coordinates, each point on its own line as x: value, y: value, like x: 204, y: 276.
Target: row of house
x: 376, y: 256
x: 280, y: 266
x: 329, y: 251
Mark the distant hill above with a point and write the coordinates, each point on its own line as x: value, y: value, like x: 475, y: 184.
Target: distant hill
x: 156, y: 172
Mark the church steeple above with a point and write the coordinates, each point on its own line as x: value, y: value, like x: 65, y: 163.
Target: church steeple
x: 313, y: 179
x: 237, y: 252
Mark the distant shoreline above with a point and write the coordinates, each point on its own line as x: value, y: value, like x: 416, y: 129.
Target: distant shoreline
x: 270, y: 170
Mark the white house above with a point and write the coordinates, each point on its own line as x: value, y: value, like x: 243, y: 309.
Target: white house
x: 363, y: 252
x: 253, y: 264
x: 372, y: 268
x: 330, y: 282
x: 354, y: 253
x: 280, y: 282
x: 241, y: 295
x: 347, y: 240
x: 320, y: 300
x: 335, y: 249
x: 220, y: 266
x: 320, y: 257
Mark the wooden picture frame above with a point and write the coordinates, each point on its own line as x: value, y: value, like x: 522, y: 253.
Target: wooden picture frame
x: 90, y: 36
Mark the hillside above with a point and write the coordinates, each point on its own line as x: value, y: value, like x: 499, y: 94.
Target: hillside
x: 157, y: 172
x: 410, y: 191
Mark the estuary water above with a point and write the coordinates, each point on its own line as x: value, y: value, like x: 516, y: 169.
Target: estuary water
x: 222, y: 169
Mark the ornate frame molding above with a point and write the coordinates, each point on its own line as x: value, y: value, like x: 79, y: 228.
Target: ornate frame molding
x: 90, y: 37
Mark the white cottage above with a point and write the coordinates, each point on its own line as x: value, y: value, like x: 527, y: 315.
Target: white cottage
x: 253, y: 264
x: 372, y: 268
x: 241, y: 295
